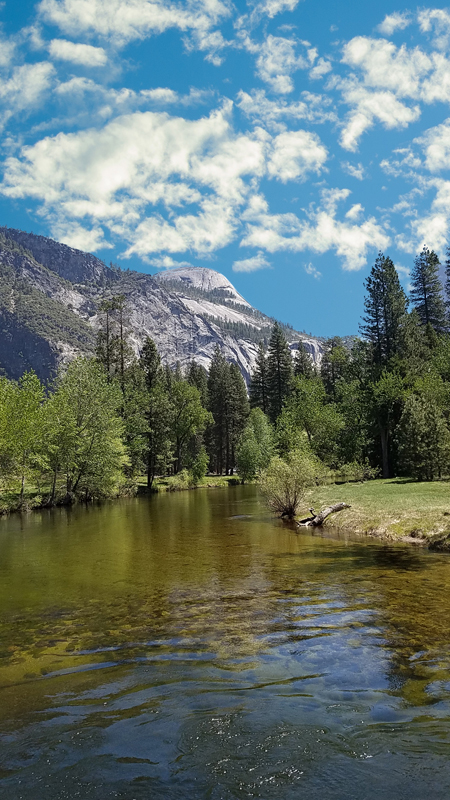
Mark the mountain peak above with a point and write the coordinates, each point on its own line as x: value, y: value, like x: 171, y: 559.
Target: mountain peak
x: 204, y: 280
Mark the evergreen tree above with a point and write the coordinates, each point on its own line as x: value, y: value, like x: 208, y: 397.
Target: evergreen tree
x: 228, y: 403
x: 150, y: 362
x: 238, y: 413
x: 335, y: 364
x: 258, y: 382
x: 279, y: 371
x: 197, y: 376
x: 385, y: 306
x: 303, y: 365
x: 426, y: 293
x: 218, y: 402
x: 424, y: 439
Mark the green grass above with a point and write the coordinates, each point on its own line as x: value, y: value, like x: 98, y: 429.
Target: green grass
x: 391, y: 509
x: 174, y: 483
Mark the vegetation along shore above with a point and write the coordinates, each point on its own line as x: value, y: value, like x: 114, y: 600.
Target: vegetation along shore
x: 377, y: 408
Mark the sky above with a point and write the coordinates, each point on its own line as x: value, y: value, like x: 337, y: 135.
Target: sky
x: 280, y: 142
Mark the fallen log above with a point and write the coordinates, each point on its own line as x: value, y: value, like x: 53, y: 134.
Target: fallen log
x: 318, y: 519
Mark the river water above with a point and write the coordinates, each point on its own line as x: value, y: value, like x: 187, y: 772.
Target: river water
x: 190, y: 646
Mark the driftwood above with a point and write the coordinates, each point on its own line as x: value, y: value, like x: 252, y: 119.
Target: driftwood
x: 318, y: 519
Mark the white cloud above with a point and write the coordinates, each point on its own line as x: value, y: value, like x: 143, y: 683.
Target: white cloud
x: 371, y: 106
x: 87, y: 239
x: 320, y: 232
x: 433, y: 228
x: 167, y: 262
x: 271, y: 113
x: 271, y: 8
x: 355, y: 170
x: 126, y: 20
x: 386, y: 66
x: 355, y: 212
x: 404, y: 272
x: 323, y: 67
x: 295, y: 154
x: 121, y: 175
x: 251, y: 264
x: 7, y: 50
x: 78, y: 53
x: 276, y: 62
x: 394, y: 22
x: 24, y: 89
x: 311, y: 270
x: 436, y: 21
x: 436, y: 144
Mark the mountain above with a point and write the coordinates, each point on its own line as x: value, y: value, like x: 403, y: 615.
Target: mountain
x: 49, y: 309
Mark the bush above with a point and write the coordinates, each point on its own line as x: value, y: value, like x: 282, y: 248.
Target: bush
x: 284, y: 483
x: 356, y: 472
x: 199, y: 466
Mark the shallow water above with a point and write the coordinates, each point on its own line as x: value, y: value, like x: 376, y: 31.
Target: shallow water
x: 189, y: 646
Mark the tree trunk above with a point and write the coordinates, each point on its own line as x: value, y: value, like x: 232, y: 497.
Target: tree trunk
x: 318, y: 519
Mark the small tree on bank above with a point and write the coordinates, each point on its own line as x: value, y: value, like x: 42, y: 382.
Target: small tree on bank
x: 285, y: 482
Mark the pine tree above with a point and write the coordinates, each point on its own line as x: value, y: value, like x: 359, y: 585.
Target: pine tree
x: 258, y: 381
x: 150, y: 361
x: 335, y: 365
x: 385, y: 306
x: 239, y: 411
x: 426, y: 293
x: 303, y: 365
x: 197, y: 376
x: 218, y: 401
x: 279, y: 371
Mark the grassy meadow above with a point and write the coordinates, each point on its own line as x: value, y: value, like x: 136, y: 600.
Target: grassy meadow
x: 394, y: 509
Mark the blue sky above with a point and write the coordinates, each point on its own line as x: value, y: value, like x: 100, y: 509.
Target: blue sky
x: 282, y: 142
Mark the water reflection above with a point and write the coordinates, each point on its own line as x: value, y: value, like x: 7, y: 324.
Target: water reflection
x: 191, y: 646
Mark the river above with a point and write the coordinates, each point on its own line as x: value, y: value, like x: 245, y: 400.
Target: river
x: 190, y: 646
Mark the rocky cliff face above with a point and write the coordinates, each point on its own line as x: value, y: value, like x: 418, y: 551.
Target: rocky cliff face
x: 49, y: 309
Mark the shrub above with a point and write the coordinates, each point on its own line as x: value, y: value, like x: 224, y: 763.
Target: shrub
x: 284, y: 483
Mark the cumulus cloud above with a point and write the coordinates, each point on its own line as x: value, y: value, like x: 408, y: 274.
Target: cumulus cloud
x: 436, y: 145
x: 125, y: 175
x: 78, y: 53
x: 24, y: 89
x: 323, y: 67
x: 355, y: 170
x: 125, y: 20
x: 276, y: 62
x: 394, y: 22
x: 369, y: 107
x: 251, y: 264
x: 432, y: 228
x: 295, y: 154
x: 321, y: 231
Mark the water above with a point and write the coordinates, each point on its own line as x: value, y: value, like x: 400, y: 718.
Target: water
x: 189, y: 646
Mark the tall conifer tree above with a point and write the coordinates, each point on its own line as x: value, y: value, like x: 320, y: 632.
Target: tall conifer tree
x: 385, y: 306
x: 426, y: 293
x: 303, y: 365
x: 258, y: 382
x: 279, y: 371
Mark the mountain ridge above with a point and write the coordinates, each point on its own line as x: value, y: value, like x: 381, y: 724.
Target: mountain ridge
x: 50, y: 300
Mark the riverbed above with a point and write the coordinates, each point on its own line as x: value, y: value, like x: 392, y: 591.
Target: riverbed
x: 191, y: 646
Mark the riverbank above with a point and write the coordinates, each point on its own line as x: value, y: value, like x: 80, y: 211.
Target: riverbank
x: 37, y: 498
x: 396, y: 509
